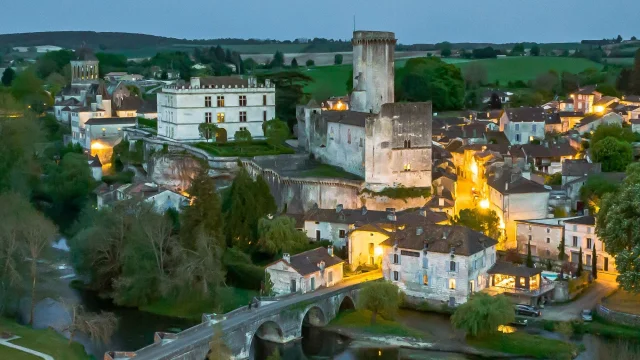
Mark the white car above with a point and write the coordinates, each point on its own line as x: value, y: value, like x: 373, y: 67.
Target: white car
x: 587, y: 315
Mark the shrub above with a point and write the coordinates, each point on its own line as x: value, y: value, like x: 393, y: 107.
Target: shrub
x: 401, y: 192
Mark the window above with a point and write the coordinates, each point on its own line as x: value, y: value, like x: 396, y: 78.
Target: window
x: 452, y: 266
x: 517, y: 137
x: 407, y: 144
x: 396, y: 259
x: 242, y: 128
x: 575, y: 241
x: 522, y: 281
x: 425, y: 263
x: 548, y: 240
x: 207, y: 101
x: 452, y: 284
x: 242, y: 101
x: 395, y: 276
x: 207, y: 117
x: 264, y: 116
x: 220, y: 117
x: 264, y: 100
x: 220, y: 101
x: 371, y: 246
x: 548, y: 230
x: 341, y: 234
x: 330, y: 276
x: 407, y: 167
x: 517, y: 127
x: 243, y: 116
x: 533, y: 128
x: 425, y: 280
x: 588, y: 243
x: 529, y: 237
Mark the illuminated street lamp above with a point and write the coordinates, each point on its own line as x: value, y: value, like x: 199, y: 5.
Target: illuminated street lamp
x: 484, y: 203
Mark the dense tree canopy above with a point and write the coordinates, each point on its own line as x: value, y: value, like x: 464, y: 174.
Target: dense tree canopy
x: 592, y: 192
x: 279, y: 235
x: 7, y: 76
x: 289, y: 93
x: 424, y: 79
x: 53, y: 62
x: 618, y: 226
x: 381, y: 298
x: 614, y: 154
x: 482, y: 314
x: 483, y: 220
x: 613, y: 130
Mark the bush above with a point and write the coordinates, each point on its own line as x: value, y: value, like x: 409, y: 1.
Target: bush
x: 120, y: 178
x: 150, y: 123
x: 401, y: 192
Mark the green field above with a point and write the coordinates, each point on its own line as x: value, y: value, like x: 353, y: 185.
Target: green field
x: 620, y: 61
x: 243, y: 49
x: 331, y: 80
x: 254, y: 148
x: 46, y: 341
x: 360, y: 320
x: 529, y: 67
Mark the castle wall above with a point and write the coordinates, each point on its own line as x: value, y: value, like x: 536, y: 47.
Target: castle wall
x: 345, y: 148
x: 373, y: 61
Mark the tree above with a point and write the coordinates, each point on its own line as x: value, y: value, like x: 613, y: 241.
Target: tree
x: 579, y: 270
x: 633, y: 38
x: 494, y: 102
x: 613, y: 130
x: 535, y: 50
x: 294, y: 63
x: 614, y: 154
x: 218, y: 348
x: 635, y: 78
x: 278, y: 60
x: 28, y: 89
x: 593, y: 190
x: 529, y: 257
x: 208, y: 130
x: 482, y: 314
x: 623, y: 81
x: 200, y: 268
x: 7, y: 76
x: 564, y: 328
x: 475, y: 74
x: 547, y: 83
x: 518, y: 49
x: 609, y: 90
x: 289, y: 93
x: 483, y: 220
x: 310, y: 63
x: 55, y: 82
x: 275, y: 355
x: 617, y: 224
x: 424, y: 79
x: 619, y: 39
x: 594, y: 262
x: 561, y: 256
x: 204, y: 214
x: 276, y: 132
x: 337, y: 59
x: 242, y: 135
x: 445, y: 52
x: 99, y: 327
x: 381, y: 298
x: 279, y: 235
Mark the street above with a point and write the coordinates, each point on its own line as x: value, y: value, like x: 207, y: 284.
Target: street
x: 588, y: 300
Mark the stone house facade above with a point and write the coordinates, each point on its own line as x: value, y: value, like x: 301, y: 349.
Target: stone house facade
x: 580, y: 232
x: 305, y: 272
x: 544, y: 235
x: 521, y: 125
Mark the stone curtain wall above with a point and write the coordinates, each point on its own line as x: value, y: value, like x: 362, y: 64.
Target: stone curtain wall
x: 618, y: 317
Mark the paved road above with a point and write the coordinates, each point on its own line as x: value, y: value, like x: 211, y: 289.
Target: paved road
x: 588, y: 300
x: 186, y: 338
x: 464, y: 197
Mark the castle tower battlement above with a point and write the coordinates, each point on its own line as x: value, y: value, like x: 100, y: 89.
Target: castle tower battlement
x: 373, y: 70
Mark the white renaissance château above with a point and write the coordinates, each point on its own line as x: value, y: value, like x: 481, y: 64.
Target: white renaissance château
x: 232, y: 103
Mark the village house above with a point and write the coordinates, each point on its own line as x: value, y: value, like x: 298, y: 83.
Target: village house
x: 635, y: 125
x: 148, y: 110
x: 549, y: 156
x: 442, y: 202
x: 553, y: 124
x: 630, y: 100
x: 580, y: 232
x: 574, y: 176
x: 584, y: 99
x: 96, y: 167
x: 231, y: 103
x: 522, y: 284
x: 630, y: 113
x: 162, y: 199
x: 566, y: 105
x: 439, y: 263
x: 521, y: 125
x: 514, y: 197
x: 544, y: 236
x: 489, y: 116
x: 590, y: 122
x: 569, y: 119
x: 106, y: 131
x: 604, y: 103
x: 445, y: 180
x: 306, y: 271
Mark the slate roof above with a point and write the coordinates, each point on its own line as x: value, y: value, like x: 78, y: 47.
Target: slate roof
x: 516, y: 185
x: 112, y: 121
x: 550, y: 150
x: 94, y: 161
x: 346, y: 216
x: 307, y: 262
x: 489, y: 115
x: 507, y: 268
x: 553, y: 119
x: 631, y: 98
x: 148, y: 107
x: 130, y: 103
x: 225, y: 81
x: 527, y: 114
x: 346, y: 117
x: 605, y: 100
x: 571, y: 114
x: 434, y: 202
x: 582, y: 220
x: 68, y: 102
x: 635, y: 121
x: 586, y: 90
x: 580, y: 167
x: 595, y: 117
x: 441, y: 239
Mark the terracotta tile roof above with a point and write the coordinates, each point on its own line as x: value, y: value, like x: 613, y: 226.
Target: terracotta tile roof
x: 307, y: 262
x: 441, y: 239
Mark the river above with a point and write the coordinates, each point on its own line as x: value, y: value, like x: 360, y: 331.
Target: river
x: 136, y: 329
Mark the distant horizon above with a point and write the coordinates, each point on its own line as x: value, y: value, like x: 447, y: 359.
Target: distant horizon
x: 311, y: 38
x: 413, y: 21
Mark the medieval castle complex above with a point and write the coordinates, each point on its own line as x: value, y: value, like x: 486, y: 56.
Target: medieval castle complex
x: 387, y: 144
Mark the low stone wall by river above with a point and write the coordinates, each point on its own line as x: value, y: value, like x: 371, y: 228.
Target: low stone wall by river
x: 617, y: 316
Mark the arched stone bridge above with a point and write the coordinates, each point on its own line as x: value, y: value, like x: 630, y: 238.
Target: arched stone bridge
x: 277, y: 321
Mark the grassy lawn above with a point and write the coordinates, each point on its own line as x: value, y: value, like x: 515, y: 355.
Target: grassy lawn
x: 150, y: 123
x: 624, y: 301
x: 328, y: 171
x: 231, y: 298
x: 620, y: 61
x: 254, y: 148
x: 529, y: 67
x: 46, y: 341
x: 361, y: 320
x: 519, y: 343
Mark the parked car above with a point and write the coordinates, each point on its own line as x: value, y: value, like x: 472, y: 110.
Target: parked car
x: 519, y: 322
x: 587, y: 315
x: 527, y: 310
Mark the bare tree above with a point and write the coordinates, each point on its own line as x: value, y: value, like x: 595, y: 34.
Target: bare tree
x: 157, y: 230
x: 99, y: 327
x: 201, y: 267
x: 10, y: 251
x: 218, y: 349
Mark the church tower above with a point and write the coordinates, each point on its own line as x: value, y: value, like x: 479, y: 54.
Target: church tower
x: 84, y: 67
x: 373, y: 70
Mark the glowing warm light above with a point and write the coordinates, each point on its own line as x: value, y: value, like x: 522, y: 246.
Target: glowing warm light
x: 377, y: 251
x: 599, y: 108
x: 484, y: 204
x: 98, y: 146
x: 506, y: 329
x: 502, y: 226
x: 474, y: 168
x: 339, y: 106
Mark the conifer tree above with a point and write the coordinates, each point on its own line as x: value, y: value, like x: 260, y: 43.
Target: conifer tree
x: 594, y: 263
x: 579, y: 271
x: 529, y: 257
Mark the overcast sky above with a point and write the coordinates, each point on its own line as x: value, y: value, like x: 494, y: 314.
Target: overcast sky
x: 413, y: 21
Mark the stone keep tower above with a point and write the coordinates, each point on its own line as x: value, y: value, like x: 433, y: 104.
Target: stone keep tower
x: 373, y: 70
x: 84, y: 67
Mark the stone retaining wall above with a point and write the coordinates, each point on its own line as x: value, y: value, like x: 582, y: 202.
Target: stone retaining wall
x: 618, y: 317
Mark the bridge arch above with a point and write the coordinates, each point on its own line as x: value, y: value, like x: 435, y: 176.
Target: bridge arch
x: 314, y: 316
x: 269, y: 331
x: 347, y: 304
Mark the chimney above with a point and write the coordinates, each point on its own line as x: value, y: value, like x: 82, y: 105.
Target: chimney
x: 195, y: 82
x: 422, y: 212
x: 364, y: 210
x: 419, y: 230
x: 585, y: 212
x: 330, y: 250
x: 391, y: 214
x: 267, y: 82
x: 514, y: 177
x: 286, y: 257
x: 444, y: 235
x: 94, y: 106
x: 441, y: 201
x: 339, y: 208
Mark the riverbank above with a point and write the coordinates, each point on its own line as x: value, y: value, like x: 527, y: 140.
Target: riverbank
x: 47, y: 341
